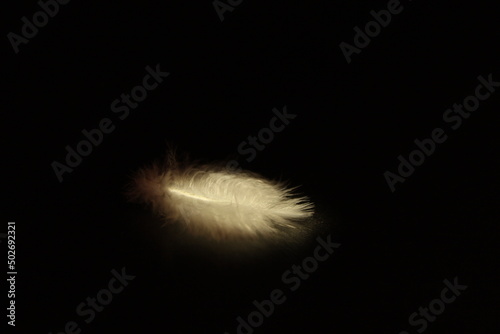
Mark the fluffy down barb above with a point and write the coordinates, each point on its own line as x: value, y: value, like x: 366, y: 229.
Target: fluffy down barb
x: 213, y: 201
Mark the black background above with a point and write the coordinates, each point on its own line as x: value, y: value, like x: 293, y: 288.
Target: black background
x: 353, y: 120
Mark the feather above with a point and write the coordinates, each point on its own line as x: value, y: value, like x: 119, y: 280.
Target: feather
x: 214, y: 201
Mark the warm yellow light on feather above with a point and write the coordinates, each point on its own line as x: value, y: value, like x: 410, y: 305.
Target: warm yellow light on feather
x: 213, y: 201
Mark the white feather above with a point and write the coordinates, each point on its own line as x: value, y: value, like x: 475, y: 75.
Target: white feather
x: 211, y: 200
